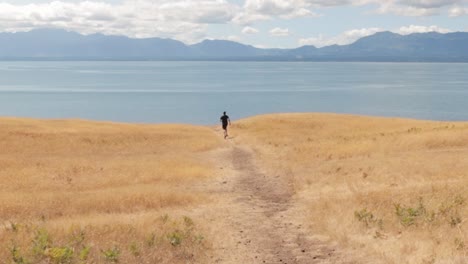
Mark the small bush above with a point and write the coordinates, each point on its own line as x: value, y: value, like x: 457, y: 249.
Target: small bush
x: 84, y: 253
x: 368, y: 218
x: 16, y: 256
x: 14, y: 227
x: 112, y: 254
x: 175, y: 238
x: 409, y: 215
x: 188, y: 222
x: 41, y: 242
x: 59, y: 255
x: 78, y: 237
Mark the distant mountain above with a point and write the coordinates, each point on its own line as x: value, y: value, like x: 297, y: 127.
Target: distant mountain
x: 43, y: 44
x: 54, y: 43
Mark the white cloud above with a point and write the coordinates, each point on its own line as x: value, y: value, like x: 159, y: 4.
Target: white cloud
x: 415, y: 7
x: 458, y: 11
x: 260, y: 10
x: 181, y: 19
x: 228, y: 37
x: 429, y: 3
x: 249, y: 30
x: 345, y: 38
x: 257, y: 10
x: 279, y: 32
x: 421, y: 29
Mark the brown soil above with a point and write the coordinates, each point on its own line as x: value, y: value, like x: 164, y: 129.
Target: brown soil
x: 255, y: 219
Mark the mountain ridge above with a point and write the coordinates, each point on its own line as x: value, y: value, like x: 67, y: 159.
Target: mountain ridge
x: 57, y: 44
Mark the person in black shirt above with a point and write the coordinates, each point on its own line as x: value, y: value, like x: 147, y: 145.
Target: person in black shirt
x: 225, y: 121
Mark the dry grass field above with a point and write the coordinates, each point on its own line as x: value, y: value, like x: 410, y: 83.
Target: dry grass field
x: 394, y: 190
x: 87, y: 192
x: 390, y: 190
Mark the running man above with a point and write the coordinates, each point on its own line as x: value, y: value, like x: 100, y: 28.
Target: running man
x: 225, y: 121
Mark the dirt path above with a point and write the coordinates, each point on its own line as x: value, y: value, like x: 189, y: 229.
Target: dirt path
x: 255, y: 220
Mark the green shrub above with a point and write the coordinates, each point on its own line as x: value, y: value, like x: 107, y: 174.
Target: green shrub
x: 59, y: 255
x: 41, y: 242
x: 368, y: 218
x: 175, y: 238
x: 409, y: 215
x: 112, y: 254
x: 84, y: 253
x: 16, y: 256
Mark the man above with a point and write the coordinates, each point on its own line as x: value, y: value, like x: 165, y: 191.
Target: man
x: 225, y: 121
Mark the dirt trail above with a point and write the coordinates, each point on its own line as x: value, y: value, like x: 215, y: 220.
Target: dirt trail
x: 255, y: 220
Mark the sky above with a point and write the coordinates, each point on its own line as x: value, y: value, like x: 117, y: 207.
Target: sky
x: 261, y: 23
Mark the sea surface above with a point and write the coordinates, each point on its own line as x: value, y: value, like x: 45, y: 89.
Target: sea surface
x: 198, y: 92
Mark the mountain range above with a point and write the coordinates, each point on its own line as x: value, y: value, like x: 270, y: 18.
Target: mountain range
x: 56, y: 44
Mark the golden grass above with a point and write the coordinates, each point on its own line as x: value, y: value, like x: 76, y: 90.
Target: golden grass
x: 395, y: 190
x: 110, y: 182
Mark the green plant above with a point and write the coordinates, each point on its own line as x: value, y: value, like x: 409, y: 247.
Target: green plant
x: 368, y: 218
x: 41, y: 241
x: 78, y: 237
x: 16, y: 255
x: 14, y: 227
x: 199, y: 239
x: 188, y: 222
x: 111, y: 254
x: 84, y: 253
x: 59, y: 255
x: 409, y: 215
x: 175, y: 238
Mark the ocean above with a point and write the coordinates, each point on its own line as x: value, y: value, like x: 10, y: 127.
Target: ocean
x: 198, y: 92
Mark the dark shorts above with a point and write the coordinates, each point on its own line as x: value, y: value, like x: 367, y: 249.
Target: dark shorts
x: 225, y: 126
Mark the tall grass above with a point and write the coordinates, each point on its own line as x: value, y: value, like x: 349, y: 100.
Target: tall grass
x: 112, y: 183
x: 395, y: 190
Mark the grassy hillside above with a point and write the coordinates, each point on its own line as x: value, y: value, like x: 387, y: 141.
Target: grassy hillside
x: 93, y: 192
x: 393, y: 189
x: 73, y: 191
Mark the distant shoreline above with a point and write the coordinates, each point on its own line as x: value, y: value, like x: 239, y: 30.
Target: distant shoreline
x: 32, y: 59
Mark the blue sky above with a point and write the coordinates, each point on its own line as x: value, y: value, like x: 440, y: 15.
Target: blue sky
x: 262, y: 23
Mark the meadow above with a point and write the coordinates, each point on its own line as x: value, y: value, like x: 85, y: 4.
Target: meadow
x: 393, y: 190
x: 385, y: 190
x: 75, y: 191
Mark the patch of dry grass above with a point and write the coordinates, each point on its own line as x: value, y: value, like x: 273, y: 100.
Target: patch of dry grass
x: 112, y: 182
x: 394, y: 189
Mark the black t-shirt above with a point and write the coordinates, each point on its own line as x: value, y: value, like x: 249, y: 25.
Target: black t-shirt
x: 224, y: 119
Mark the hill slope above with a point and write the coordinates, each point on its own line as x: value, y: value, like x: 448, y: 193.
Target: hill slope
x: 325, y: 188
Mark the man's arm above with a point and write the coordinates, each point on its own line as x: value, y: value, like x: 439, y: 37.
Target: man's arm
x: 229, y: 121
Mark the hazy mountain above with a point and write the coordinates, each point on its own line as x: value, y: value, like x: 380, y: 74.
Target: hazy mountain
x: 383, y: 46
x: 54, y: 43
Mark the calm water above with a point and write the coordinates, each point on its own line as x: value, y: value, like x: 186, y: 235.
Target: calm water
x: 198, y: 92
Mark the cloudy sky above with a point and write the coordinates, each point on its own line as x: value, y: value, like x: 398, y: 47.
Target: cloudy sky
x: 262, y: 23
